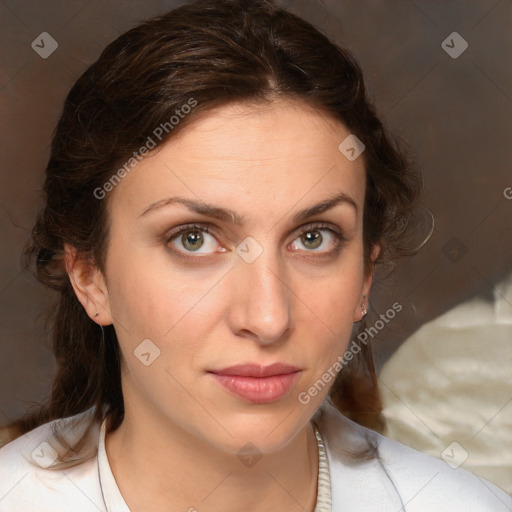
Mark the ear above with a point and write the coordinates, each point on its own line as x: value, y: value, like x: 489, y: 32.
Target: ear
x: 89, y: 285
x: 362, y: 306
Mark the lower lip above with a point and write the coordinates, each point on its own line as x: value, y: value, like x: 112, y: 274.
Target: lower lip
x: 258, y: 390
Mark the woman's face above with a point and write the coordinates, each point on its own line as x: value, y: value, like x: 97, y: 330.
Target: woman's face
x: 265, y: 285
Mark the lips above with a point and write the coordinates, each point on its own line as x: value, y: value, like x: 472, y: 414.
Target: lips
x: 258, y: 384
x: 254, y: 370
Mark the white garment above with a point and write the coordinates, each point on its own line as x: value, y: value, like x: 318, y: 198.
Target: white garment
x: 323, y: 488
x: 400, y: 479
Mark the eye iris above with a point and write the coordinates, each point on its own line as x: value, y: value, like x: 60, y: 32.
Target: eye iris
x: 192, y: 240
x: 311, y: 238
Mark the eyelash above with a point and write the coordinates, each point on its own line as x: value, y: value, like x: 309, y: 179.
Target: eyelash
x: 340, y: 239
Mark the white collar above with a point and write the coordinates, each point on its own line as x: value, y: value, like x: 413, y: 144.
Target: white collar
x: 114, y: 501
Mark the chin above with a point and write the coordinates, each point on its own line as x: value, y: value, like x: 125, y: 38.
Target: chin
x: 269, y: 428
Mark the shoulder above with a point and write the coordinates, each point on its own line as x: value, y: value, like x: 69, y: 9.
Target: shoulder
x: 398, y: 475
x: 427, y: 482
x: 28, y: 482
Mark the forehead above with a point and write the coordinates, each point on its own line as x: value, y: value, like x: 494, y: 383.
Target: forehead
x: 248, y: 155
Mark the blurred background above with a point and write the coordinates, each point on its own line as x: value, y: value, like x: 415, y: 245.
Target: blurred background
x: 440, y: 76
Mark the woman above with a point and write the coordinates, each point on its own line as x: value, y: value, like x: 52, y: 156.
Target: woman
x: 217, y: 197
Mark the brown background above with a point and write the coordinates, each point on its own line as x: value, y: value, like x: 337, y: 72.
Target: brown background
x: 455, y: 113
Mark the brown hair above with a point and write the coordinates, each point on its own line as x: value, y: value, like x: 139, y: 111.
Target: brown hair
x: 213, y: 52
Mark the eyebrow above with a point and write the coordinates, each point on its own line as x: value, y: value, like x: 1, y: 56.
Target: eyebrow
x: 227, y: 215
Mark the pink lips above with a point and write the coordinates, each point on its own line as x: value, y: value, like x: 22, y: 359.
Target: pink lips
x: 258, y: 384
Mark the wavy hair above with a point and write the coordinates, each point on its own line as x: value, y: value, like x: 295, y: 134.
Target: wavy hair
x: 215, y: 52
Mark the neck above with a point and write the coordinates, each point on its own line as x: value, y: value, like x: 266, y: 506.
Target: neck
x: 197, y: 476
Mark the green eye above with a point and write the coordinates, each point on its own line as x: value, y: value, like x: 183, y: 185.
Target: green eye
x: 310, y: 240
x: 313, y: 236
x: 193, y: 240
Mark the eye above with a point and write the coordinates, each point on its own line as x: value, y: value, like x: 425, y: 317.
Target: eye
x: 192, y: 238
x: 320, y: 238
x: 195, y: 238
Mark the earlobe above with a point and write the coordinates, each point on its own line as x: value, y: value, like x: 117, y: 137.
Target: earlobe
x: 364, y: 311
x: 362, y: 308
x: 89, y: 285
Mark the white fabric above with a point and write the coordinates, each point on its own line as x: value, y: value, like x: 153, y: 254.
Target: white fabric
x: 323, y: 495
x: 449, y: 382
x: 400, y: 476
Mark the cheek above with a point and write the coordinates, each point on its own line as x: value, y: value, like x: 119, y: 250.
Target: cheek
x: 146, y: 294
x: 152, y: 299
x: 331, y: 319
x: 331, y: 309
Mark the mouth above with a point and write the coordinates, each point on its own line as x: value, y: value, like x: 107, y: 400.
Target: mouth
x: 258, y: 384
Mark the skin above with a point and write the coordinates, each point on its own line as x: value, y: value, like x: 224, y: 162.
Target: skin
x: 182, y: 430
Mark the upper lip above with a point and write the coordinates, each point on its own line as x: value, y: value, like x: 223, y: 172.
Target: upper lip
x: 255, y: 370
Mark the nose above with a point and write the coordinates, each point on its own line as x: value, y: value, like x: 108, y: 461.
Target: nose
x: 261, y: 300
